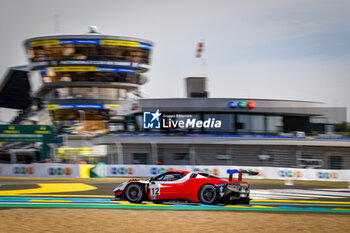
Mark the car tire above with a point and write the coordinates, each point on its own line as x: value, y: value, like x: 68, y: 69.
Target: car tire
x: 208, y: 194
x: 134, y: 193
x: 245, y: 201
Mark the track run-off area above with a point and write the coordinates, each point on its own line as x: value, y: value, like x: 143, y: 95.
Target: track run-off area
x: 276, y: 198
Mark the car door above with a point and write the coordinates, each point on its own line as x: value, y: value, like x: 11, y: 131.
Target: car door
x: 166, y: 188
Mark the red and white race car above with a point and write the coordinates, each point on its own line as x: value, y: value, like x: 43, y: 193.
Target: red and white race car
x: 188, y: 186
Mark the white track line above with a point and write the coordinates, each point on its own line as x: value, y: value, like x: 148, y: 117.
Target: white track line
x: 278, y: 197
x: 295, y: 194
x: 315, y: 192
x: 336, y: 190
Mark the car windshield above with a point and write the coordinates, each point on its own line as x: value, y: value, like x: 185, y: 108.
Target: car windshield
x: 171, y: 176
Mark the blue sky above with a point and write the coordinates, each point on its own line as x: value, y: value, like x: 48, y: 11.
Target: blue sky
x: 289, y: 49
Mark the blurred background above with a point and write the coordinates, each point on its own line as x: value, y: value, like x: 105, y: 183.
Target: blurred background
x: 78, y: 78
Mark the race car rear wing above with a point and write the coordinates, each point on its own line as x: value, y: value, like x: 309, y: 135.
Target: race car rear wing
x: 240, y: 173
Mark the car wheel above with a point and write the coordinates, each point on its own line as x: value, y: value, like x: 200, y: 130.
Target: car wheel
x: 133, y: 193
x: 245, y: 201
x: 208, y: 194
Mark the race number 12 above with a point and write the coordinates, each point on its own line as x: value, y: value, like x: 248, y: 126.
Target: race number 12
x: 155, y: 191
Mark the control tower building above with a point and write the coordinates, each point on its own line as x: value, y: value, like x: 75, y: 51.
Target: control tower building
x: 88, y: 80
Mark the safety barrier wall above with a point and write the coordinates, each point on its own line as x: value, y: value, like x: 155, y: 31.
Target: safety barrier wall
x: 56, y: 170
x: 220, y: 171
x: 53, y: 170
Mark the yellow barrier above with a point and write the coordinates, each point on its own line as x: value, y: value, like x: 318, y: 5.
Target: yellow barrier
x: 84, y: 170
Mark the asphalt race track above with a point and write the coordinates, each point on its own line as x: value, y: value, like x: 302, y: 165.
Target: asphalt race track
x: 75, y: 193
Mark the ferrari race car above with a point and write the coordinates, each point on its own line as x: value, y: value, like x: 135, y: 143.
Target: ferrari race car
x: 187, y: 186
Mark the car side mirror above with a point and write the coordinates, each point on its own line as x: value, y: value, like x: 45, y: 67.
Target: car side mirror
x: 152, y: 182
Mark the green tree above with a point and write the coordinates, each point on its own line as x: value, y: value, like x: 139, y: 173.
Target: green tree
x: 343, y: 128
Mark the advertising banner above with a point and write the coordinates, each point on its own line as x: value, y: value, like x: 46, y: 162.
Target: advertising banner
x: 220, y: 171
x: 91, y: 41
x: 26, y: 133
x: 81, y: 106
x: 109, y: 63
x: 56, y: 170
x: 40, y: 170
x: 306, y: 174
x: 153, y: 170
